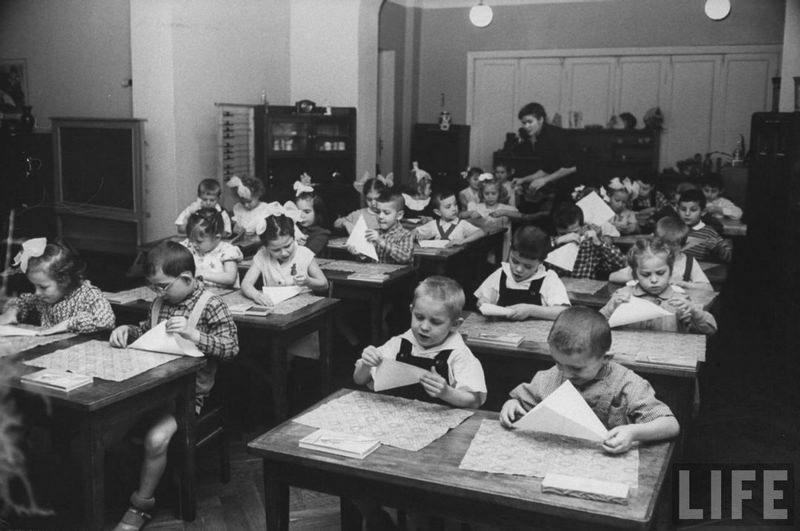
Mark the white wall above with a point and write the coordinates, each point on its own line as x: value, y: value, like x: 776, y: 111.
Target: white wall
x: 791, y: 56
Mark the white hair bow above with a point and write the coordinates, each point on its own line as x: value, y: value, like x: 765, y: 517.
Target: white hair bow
x: 465, y: 173
x: 623, y: 184
x: 387, y: 181
x: 288, y: 209
x: 577, y: 192
x: 300, y: 188
x: 241, y: 190
x: 419, y: 173
x: 483, y: 177
x: 32, y: 248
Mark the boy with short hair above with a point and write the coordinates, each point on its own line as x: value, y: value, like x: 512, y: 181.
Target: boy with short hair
x: 713, y: 186
x: 623, y: 401
x: 195, y: 315
x: 448, y: 226
x: 522, y: 284
x: 596, y: 257
x: 394, y: 244
x: 208, y: 195
x: 703, y: 242
x: 433, y: 342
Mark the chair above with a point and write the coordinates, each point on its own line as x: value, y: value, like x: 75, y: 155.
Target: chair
x: 210, y: 427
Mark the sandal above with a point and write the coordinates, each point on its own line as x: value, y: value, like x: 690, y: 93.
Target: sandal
x: 133, y: 520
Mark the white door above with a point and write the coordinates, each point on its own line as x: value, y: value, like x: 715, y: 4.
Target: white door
x: 386, y: 145
x: 540, y: 81
x: 589, y: 89
x: 493, y: 108
x: 641, y: 82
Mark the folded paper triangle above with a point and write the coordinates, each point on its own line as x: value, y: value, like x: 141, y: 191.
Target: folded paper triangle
x: 392, y: 373
x: 493, y: 310
x: 564, y: 412
x: 595, y: 210
x: 634, y: 311
x: 157, y: 339
x: 358, y: 239
x: 564, y: 257
x: 278, y: 294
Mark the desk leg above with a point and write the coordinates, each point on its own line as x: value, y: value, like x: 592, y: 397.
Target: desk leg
x: 350, y: 517
x: 276, y: 500
x: 92, y: 473
x: 185, y: 416
x: 279, y: 374
x: 325, y: 355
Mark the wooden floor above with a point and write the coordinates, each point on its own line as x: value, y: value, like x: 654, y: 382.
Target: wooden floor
x: 750, y: 406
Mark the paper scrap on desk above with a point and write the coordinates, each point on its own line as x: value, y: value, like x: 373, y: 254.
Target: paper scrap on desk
x: 434, y: 244
x: 358, y: 239
x: 493, y: 310
x: 634, y: 311
x: 157, y: 339
x: 278, y: 294
x: 392, y: 373
x: 564, y: 412
x: 564, y: 257
x: 595, y: 210
x: 11, y: 330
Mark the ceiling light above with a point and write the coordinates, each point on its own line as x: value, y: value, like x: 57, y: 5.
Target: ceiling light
x: 718, y: 9
x: 481, y: 15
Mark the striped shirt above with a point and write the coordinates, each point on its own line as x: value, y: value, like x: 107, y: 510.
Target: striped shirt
x: 704, y: 243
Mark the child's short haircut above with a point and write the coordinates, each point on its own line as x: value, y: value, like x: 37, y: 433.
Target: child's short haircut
x: 649, y: 246
x: 171, y: 257
x: 209, y: 186
x: 255, y: 185
x: 530, y: 242
x: 534, y: 109
x: 205, y: 222
x: 317, y: 203
x: 62, y: 263
x: 693, y: 195
x: 395, y: 198
x: 444, y: 290
x: 566, y: 215
x: 438, y: 197
x: 277, y: 226
x: 712, y: 180
x: 580, y: 329
x: 672, y: 230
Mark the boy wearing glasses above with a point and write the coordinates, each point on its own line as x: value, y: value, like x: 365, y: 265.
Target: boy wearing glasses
x: 196, y: 315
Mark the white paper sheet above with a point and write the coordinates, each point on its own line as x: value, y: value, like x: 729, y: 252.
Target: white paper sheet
x: 358, y: 239
x: 392, y: 373
x: 278, y: 294
x: 493, y: 310
x: 434, y: 244
x: 11, y: 330
x: 564, y: 257
x: 564, y: 412
x: 635, y: 311
x: 157, y: 339
x: 595, y: 210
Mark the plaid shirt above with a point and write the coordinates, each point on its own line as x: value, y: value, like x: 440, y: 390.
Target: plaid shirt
x: 85, y: 310
x: 655, y: 199
x: 594, y: 261
x: 398, y: 246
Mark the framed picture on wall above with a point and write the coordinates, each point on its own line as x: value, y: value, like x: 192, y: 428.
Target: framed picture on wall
x: 13, y: 85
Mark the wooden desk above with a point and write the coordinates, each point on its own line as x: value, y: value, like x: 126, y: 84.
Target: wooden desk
x: 280, y: 332
x: 598, y: 299
x: 105, y: 411
x: 430, y: 480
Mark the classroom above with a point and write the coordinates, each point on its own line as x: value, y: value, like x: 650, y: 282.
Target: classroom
x: 311, y: 264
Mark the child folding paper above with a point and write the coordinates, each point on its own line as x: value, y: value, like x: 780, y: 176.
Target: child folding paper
x: 157, y: 339
x: 595, y: 210
x: 564, y: 412
x: 358, y: 239
x: 634, y: 311
x: 563, y: 257
x: 392, y: 373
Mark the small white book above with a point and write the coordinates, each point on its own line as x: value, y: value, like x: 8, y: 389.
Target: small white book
x: 348, y: 445
x: 56, y: 379
x: 434, y: 244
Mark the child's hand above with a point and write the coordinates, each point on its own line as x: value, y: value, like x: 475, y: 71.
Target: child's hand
x: 620, y: 296
x: 180, y: 326
x: 119, y: 337
x: 301, y: 239
x: 512, y: 410
x: 262, y: 299
x: 519, y: 312
x: 300, y: 280
x: 434, y: 384
x: 371, y: 357
x: 591, y: 234
x: 454, y: 243
x: 620, y: 439
x: 372, y: 236
x: 685, y: 309
x: 352, y: 250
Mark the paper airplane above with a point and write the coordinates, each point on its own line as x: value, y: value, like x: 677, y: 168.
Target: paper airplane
x: 10, y: 330
x: 392, y: 373
x: 493, y: 310
x: 278, y: 294
x: 157, y: 339
x: 434, y: 244
x: 564, y: 412
x: 564, y: 257
x: 358, y: 239
x: 634, y: 311
x: 595, y: 210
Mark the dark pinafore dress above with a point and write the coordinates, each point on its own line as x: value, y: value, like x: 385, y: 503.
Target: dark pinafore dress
x: 510, y: 297
x: 415, y: 391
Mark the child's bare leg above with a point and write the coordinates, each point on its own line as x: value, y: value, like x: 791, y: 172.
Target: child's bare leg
x: 156, y: 444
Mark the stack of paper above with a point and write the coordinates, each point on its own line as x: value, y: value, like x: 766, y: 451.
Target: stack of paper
x: 358, y: 240
x: 337, y: 443
x: 634, y: 311
x: 564, y: 412
x: 57, y: 379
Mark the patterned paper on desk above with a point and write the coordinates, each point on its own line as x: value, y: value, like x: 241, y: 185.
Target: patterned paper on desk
x: 101, y: 360
x: 238, y: 299
x: 533, y: 330
x: 407, y: 424
x: 497, y: 450
x: 361, y: 267
x: 15, y: 344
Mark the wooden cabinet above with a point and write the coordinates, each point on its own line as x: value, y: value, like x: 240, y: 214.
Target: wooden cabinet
x: 443, y: 154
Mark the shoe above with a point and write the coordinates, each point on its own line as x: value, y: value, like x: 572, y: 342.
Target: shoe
x: 133, y: 520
